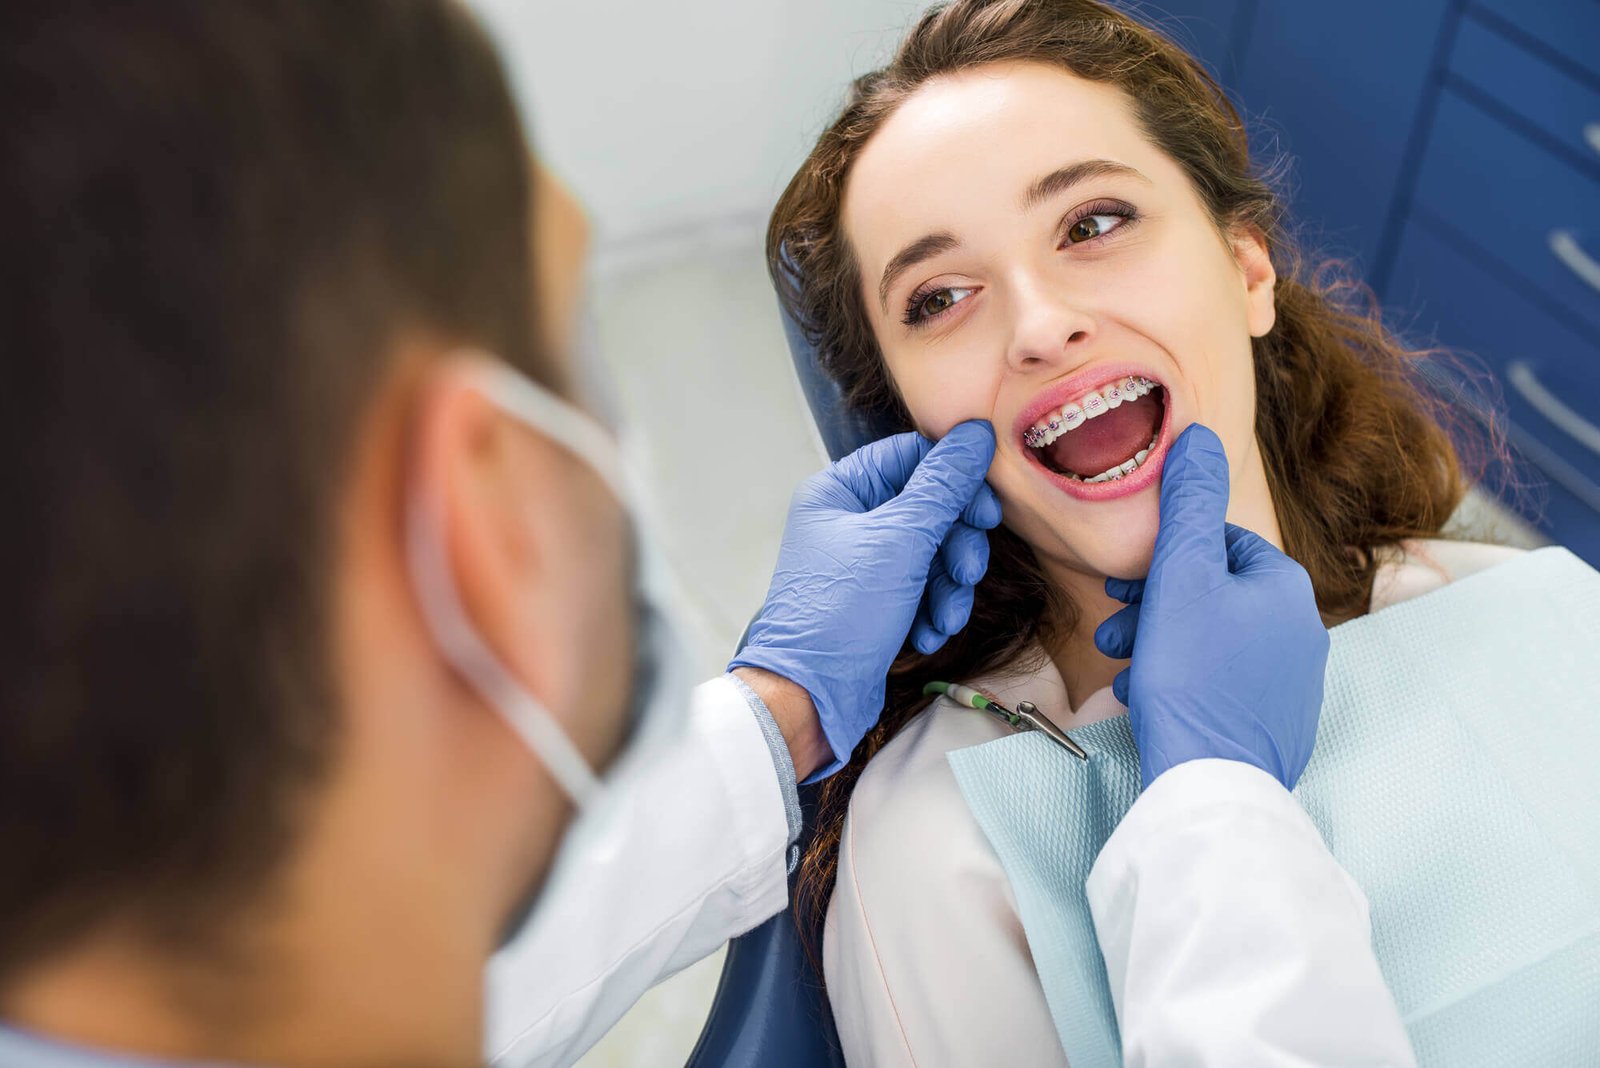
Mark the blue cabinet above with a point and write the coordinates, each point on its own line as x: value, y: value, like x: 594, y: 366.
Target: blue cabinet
x: 1524, y: 208
x: 1450, y: 150
x: 1214, y: 30
x: 1547, y: 101
x: 1551, y: 400
x: 1340, y: 88
x: 1564, y: 32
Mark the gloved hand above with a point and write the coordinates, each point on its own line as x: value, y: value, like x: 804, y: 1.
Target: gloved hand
x: 888, y: 540
x: 1228, y: 650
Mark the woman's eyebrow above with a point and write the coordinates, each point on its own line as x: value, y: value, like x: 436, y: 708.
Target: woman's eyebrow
x: 1061, y: 179
x: 1053, y: 184
x: 923, y: 248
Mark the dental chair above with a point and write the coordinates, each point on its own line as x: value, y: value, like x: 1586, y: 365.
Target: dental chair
x: 770, y: 1010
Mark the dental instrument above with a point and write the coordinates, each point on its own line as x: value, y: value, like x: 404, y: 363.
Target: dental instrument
x: 1027, y: 716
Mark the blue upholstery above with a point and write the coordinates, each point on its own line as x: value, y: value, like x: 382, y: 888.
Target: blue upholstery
x: 843, y: 430
x: 770, y: 1010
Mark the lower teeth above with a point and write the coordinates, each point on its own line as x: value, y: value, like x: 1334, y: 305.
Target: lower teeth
x: 1127, y: 467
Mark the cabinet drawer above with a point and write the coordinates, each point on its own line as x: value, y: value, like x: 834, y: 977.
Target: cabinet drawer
x: 1534, y: 91
x: 1568, y: 29
x: 1549, y: 375
x: 1517, y: 203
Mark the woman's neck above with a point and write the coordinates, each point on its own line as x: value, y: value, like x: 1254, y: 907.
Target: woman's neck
x: 1084, y: 669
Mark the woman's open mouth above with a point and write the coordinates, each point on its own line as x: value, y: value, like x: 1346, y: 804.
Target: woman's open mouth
x: 1105, y: 442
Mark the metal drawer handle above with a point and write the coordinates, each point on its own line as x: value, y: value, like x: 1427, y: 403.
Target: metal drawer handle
x: 1520, y: 374
x: 1564, y: 244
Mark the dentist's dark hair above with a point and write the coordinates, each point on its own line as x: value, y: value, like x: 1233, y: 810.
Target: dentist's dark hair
x: 219, y: 217
x: 1360, y: 456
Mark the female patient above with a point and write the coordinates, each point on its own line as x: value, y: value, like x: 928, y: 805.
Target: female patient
x: 1044, y: 215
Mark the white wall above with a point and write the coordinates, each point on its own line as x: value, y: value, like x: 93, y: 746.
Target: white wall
x: 667, y: 116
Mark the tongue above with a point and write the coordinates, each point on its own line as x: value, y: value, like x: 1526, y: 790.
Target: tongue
x: 1107, y: 440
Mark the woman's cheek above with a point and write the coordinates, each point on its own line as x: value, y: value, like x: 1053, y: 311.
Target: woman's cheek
x: 1010, y: 484
x: 940, y: 403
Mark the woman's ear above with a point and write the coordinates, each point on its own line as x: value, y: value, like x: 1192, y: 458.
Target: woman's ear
x: 1250, y: 251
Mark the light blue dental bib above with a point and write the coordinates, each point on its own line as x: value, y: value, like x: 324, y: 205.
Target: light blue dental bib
x: 1456, y: 778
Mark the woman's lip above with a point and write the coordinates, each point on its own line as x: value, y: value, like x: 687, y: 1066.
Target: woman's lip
x: 1143, y: 476
x: 1069, y: 389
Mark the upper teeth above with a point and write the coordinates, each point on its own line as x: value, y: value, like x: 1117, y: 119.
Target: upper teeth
x: 1094, y: 403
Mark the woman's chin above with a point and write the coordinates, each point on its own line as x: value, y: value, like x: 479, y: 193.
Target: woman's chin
x: 1130, y: 560
x: 1122, y: 550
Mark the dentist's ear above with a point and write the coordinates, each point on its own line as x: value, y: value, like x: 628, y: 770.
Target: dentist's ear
x: 533, y: 541
x: 1260, y: 279
x: 471, y: 471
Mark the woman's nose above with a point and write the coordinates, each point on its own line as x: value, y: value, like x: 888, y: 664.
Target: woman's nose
x: 1050, y: 328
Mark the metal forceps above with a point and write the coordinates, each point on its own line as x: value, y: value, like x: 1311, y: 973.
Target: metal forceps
x: 1027, y: 717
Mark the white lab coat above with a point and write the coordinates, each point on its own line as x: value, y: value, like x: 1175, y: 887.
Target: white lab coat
x: 1230, y: 934
x: 699, y: 857
x: 703, y: 860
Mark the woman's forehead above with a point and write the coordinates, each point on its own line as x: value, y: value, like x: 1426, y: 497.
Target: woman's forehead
x: 973, y: 143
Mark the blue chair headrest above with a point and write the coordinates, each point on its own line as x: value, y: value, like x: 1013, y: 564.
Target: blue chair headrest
x: 843, y: 429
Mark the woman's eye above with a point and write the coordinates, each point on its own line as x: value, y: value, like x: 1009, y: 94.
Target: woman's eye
x: 938, y: 302
x: 1092, y: 226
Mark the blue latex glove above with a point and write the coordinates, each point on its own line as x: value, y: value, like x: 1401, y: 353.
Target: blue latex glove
x: 1228, y: 650
x: 889, y: 540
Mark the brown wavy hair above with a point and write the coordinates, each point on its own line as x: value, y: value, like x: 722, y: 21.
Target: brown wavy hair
x: 1359, y: 452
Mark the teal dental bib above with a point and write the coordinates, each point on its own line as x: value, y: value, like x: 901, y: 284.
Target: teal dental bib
x: 1456, y: 778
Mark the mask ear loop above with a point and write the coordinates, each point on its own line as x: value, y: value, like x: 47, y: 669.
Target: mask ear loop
x: 544, y: 413
x: 442, y: 610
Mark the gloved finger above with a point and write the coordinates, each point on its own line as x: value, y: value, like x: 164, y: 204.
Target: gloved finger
x: 947, y: 479
x: 1114, y: 637
x: 925, y: 637
x: 1128, y: 591
x: 1249, y: 551
x: 984, y: 510
x: 950, y: 607
x: 965, y: 553
x: 877, y: 472
x: 948, y: 601
x: 1119, y: 685
x: 1189, y: 550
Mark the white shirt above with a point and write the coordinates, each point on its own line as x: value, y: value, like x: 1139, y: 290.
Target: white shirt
x: 924, y: 952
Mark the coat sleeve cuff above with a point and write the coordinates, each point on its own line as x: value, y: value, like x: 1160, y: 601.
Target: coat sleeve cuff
x: 782, y: 763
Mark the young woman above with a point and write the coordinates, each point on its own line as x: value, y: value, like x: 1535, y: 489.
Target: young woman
x: 1043, y: 214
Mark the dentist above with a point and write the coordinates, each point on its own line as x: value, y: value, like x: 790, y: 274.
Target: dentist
x: 336, y: 657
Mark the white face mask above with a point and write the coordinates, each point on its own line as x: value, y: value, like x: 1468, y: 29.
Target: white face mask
x: 661, y: 683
